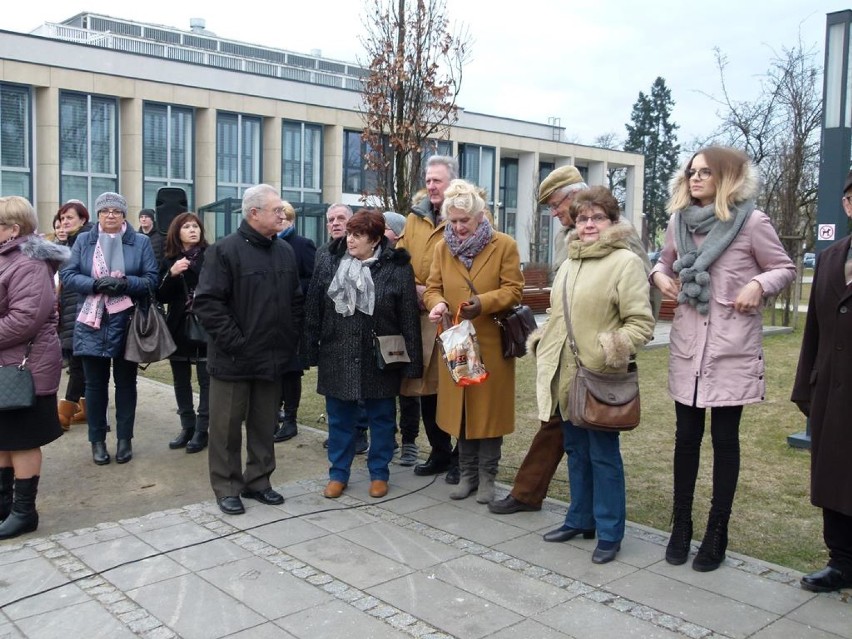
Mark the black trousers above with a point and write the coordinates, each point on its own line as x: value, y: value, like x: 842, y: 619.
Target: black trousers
x: 76, y: 379
x: 837, y: 533
x: 725, y: 434
x: 440, y: 441
x: 291, y: 390
x: 409, y: 418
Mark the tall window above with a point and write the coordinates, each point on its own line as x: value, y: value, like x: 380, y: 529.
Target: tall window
x: 435, y: 147
x: 545, y: 220
x: 88, y: 146
x: 15, y: 141
x: 508, y: 214
x: 477, y: 166
x: 237, y: 154
x: 356, y: 178
x: 301, y: 165
x: 167, y: 151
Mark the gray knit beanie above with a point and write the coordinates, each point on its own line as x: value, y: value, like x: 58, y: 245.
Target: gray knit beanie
x: 111, y: 200
x: 395, y: 222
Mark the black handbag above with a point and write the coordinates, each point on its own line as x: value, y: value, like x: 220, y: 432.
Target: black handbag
x: 148, y: 336
x: 17, y: 390
x: 515, y: 327
x: 193, y: 331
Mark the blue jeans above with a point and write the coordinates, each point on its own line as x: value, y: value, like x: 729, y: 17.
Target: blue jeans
x: 96, y: 370
x: 596, y: 481
x: 342, y: 421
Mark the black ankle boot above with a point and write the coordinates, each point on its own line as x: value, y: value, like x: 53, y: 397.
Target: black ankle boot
x: 182, y: 438
x: 711, y: 554
x: 124, y: 452
x: 197, y: 443
x: 99, y: 453
x: 7, y: 481
x: 677, y: 552
x: 24, y: 517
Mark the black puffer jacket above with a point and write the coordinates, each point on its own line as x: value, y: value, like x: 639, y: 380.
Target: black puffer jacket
x: 173, y: 293
x: 342, y: 347
x: 68, y: 300
x: 250, y: 302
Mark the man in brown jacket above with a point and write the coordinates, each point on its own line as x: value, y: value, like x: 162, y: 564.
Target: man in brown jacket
x: 424, y: 228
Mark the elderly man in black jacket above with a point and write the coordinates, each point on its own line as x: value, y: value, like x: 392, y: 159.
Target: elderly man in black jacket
x: 250, y: 302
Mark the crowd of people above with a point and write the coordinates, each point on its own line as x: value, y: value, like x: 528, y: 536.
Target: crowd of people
x: 271, y: 305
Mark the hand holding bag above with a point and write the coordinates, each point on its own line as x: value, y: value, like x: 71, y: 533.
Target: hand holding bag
x: 17, y: 390
x: 460, y: 351
x: 148, y: 336
x: 601, y: 401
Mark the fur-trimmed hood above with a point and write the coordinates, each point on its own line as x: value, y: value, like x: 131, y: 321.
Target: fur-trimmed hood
x: 38, y: 248
x: 748, y: 188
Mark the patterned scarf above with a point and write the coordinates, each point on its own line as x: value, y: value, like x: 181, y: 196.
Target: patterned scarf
x: 108, y: 260
x: 352, y: 286
x: 469, y: 248
x: 693, y: 263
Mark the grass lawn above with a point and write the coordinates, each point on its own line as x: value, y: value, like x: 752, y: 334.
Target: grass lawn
x: 772, y: 520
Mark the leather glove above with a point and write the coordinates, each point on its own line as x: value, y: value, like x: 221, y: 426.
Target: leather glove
x: 111, y: 286
x: 470, y: 309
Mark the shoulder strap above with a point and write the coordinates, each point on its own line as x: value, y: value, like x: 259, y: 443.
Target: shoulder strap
x: 566, y: 308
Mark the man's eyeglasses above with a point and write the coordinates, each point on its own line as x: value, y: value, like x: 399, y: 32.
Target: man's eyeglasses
x: 278, y: 211
x: 701, y: 174
x: 555, y: 207
x: 597, y: 218
x: 111, y: 212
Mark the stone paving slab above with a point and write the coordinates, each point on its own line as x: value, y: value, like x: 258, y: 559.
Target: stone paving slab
x: 408, y: 566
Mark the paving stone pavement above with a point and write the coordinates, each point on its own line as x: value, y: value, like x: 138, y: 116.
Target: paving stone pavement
x: 414, y: 564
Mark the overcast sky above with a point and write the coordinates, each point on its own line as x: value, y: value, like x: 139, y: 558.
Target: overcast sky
x: 582, y: 62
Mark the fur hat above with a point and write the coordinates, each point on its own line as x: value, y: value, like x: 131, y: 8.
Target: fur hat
x: 111, y: 200
x: 395, y: 222
x: 562, y: 176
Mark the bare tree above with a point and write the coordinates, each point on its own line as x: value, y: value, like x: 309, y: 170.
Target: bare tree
x: 409, y: 97
x: 780, y: 132
x: 616, y: 178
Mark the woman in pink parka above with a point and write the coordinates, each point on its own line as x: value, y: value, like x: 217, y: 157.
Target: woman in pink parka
x: 727, y: 258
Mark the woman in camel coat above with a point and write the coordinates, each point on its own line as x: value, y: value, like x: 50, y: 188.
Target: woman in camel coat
x: 475, y: 269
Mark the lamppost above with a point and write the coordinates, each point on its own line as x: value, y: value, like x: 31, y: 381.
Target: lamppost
x: 836, y: 147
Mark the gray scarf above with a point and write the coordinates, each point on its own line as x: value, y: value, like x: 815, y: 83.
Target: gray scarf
x: 693, y: 264
x: 352, y: 286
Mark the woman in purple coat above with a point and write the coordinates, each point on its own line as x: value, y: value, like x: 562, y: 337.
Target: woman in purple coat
x: 28, y: 321
x: 727, y: 258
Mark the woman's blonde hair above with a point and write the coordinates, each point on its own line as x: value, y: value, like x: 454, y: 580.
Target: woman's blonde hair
x: 730, y: 170
x: 462, y: 196
x: 289, y: 211
x: 18, y: 210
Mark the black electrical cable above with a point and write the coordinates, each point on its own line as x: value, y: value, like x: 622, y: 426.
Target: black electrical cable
x: 99, y: 573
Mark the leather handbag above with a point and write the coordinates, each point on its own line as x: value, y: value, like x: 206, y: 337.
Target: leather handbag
x: 193, y: 331
x: 601, y: 401
x: 515, y: 327
x: 390, y: 351
x: 17, y: 390
x: 148, y: 336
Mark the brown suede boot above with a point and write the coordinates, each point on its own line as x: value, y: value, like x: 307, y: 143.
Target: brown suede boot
x: 80, y: 415
x: 66, y: 411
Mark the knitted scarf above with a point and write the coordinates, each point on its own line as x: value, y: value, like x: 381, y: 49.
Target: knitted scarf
x: 470, y: 247
x: 352, y: 286
x: 108, y: 259
x: 693, y: 263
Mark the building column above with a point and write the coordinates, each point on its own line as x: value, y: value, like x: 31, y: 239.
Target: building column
x: 130, y: 156
x: 205, y: 158
x: 332, y: 165
x: 272, y: 152
x: 46, y: 169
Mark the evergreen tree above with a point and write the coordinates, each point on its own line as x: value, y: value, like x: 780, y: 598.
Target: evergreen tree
x: 652, y: 133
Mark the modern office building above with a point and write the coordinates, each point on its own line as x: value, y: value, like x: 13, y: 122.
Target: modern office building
x: 97, y: 103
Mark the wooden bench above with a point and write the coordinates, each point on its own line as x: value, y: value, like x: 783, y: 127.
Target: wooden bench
x: 536, y: 293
